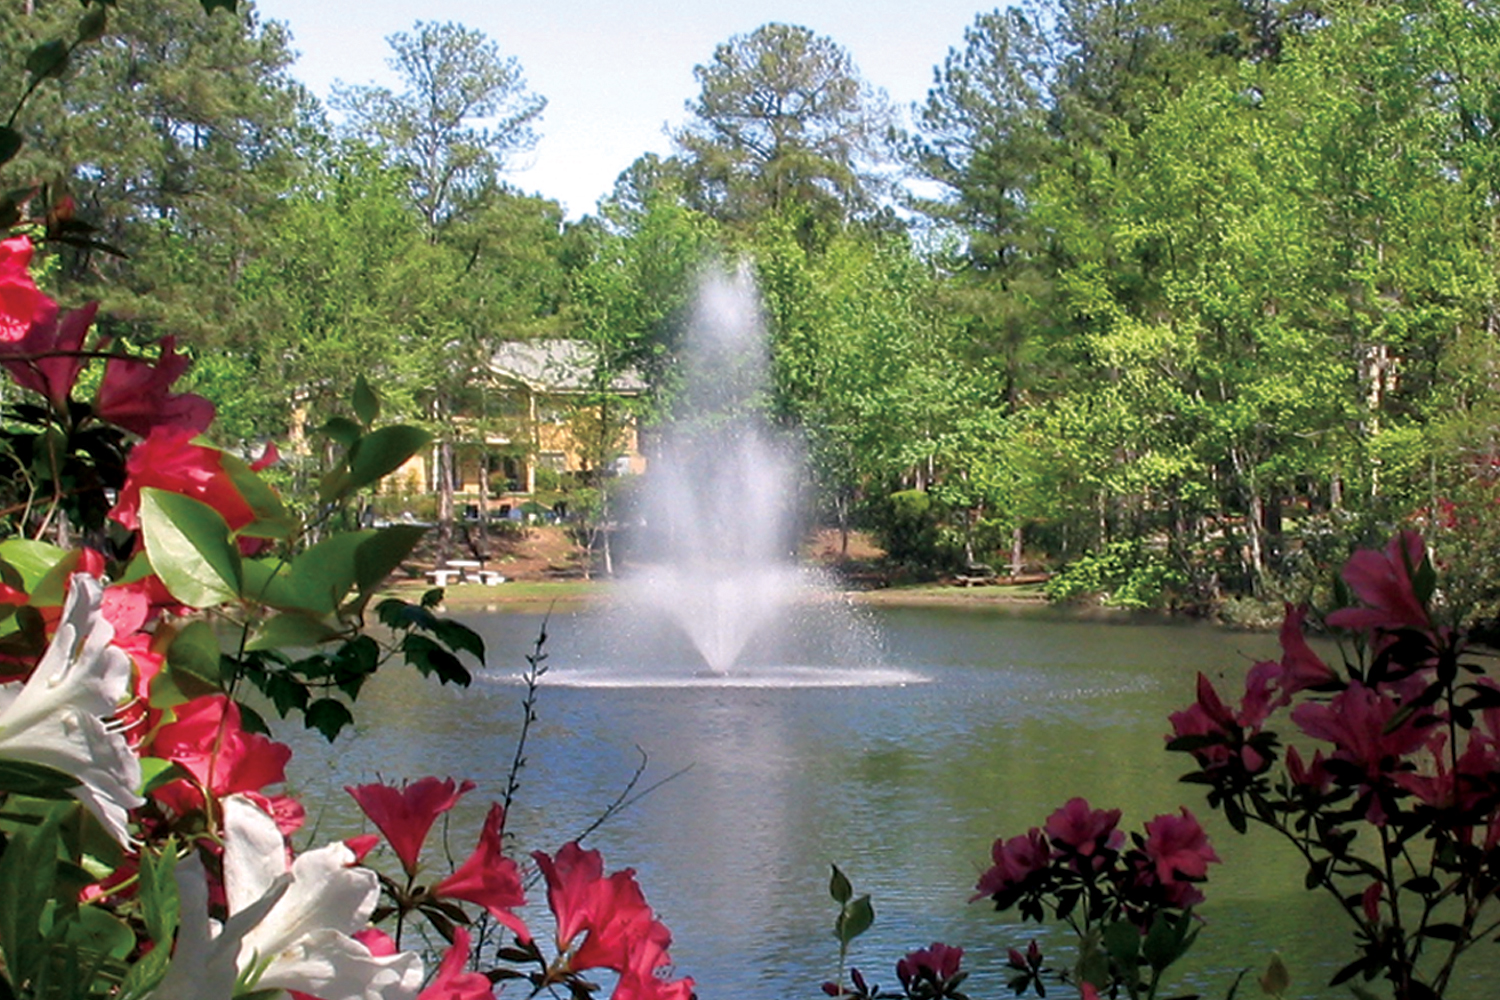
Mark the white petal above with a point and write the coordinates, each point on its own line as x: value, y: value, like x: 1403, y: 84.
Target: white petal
x: 58, y: 718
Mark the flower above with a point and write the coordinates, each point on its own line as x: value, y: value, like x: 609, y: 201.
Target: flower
x: 1015, y: 861
x: 936, y: 964
x: 62, y: 716
x: 305, y: 941
x: 1383, y: 582
x: 133, y: 394
x: 406, y: 814
x: 1086, y: 835
x: 1179, y: 853
x: 1209, y: 717
x: 169, y: 460
x: 452, y: 982
x: 1357, y: 722
x: 52, y: 376
x: 19, y: 297
x: 208, y: 742
x: 489, y: 878
x: 619, y: 930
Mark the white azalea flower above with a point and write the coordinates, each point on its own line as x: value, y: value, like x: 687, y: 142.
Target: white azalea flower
x: 61, y: 717
x: 304, y: 942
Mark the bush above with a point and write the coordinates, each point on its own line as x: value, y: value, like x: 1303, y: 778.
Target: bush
x: 1127, y: 574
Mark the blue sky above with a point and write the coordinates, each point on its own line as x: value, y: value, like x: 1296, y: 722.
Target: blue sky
x: 616, y: 73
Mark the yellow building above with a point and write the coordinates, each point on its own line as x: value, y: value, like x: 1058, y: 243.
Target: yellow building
x: 534, y: 409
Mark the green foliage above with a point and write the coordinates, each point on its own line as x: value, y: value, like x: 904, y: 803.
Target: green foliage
x: 1125, y: 574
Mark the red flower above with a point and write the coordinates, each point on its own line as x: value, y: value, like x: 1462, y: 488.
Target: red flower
x: 489, y: 878
x: 1301, y: 668
x: 1015, y: 860
x: 133, y: 394
x: 936, y: 964
x: 169, y: 460
x: 1209, y: 716
x: 20, y: 299
x: 1179, y: 853
x: 207, y: 740
x: 1085, y: 835
x: 406, y: 814
x: 1356, y: 723
x: 1383, y: 582
x: 621, y: 932
x: 636, y: 985
x: 52, y: 376
x: 452, y: 982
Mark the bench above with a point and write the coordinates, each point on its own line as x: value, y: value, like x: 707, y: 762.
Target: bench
x: 467, y: 570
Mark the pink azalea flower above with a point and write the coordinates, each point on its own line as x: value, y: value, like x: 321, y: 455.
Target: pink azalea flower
x: 620, y: 931
x: 1355, y: 722
x: 406, y: 814
x: 636, y: 985
x: 1313, y: 775
x: 169, y: 460
x: 134, y: 394
x: 1085, y: 834
x: 1382, y: 581
x: 1301, y: 668
x: 207, y: 740
x: 453, y: 982
x: 1015, y: 860
x: 1179, y: 852
x: 936, y: 963
x: 20, y: 299
x: 489, y: 878
x: 1209, y: 716
x: 51, y: 331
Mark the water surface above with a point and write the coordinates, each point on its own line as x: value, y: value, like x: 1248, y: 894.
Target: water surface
x: 904, y: 785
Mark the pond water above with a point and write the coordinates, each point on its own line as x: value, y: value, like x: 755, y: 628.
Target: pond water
x: 903, y: 785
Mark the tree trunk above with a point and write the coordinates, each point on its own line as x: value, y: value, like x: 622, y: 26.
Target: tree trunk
x: 1015, y: 551
x: 444, y: 472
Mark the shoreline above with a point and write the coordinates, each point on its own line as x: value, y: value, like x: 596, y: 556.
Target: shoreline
x: 535, y: 595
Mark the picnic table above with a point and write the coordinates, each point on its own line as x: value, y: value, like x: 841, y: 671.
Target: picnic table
x: 468, y: 570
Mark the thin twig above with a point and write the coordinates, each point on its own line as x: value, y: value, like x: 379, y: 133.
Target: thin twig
x: 536, y: 667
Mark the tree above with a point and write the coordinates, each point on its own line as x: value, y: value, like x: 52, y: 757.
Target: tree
x: 454, y: 78
x: 783, y: 117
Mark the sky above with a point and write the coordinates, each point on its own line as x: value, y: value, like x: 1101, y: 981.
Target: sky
x: 615, y: 73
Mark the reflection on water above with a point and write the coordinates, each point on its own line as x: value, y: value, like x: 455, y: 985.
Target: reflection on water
x: 904, y: 785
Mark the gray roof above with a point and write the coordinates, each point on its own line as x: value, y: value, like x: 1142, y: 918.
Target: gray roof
x: 556, y: 366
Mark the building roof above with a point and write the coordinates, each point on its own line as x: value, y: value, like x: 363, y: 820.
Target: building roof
x: 556, y: 365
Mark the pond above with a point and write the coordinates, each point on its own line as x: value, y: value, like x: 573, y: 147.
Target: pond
x: 904, y: 786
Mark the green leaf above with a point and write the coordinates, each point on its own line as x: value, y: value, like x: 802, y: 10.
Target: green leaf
x: 430, y: 658
x: 156, y: 772
x: 271, y: 518
x: 194, y: 659
x: 48, y: 59
x: 97, y: 932
x: 366, y: 403
x: 291, y: 630
x: 1123, y: 942
x: 10, y: 143
x: 24, y: 778
x: 28, y: 870
x: 93, y: 23
x: 459, y: 637
x: 384, y: 451
x: 342, y: 430
x: 189, y: 546
x: 328, y: 716
x: 33, y: 560
x: 857, y: 917
x: 839, y: 887
x: 1277, y: 979
x: 325, y: 573
x: 383, y: 552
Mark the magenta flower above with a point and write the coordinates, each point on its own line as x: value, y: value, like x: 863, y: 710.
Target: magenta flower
x: 1383, y: 582
x: 406, y: 814
x: 619, y: 930
x: 1355, y: 722
x: 1301, y: 668
x: 61, y: 335
x: 1209, y: 716
x: 1086, y: 835
x: 489, y: 878
x: 1179, y: 852
x: 134, y: 394
x: 20, y: 299
x: 452, y: 981
x: 1015, y: 861
x: 936, y: 964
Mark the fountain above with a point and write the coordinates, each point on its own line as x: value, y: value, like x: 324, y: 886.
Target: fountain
x: 717, y: 597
